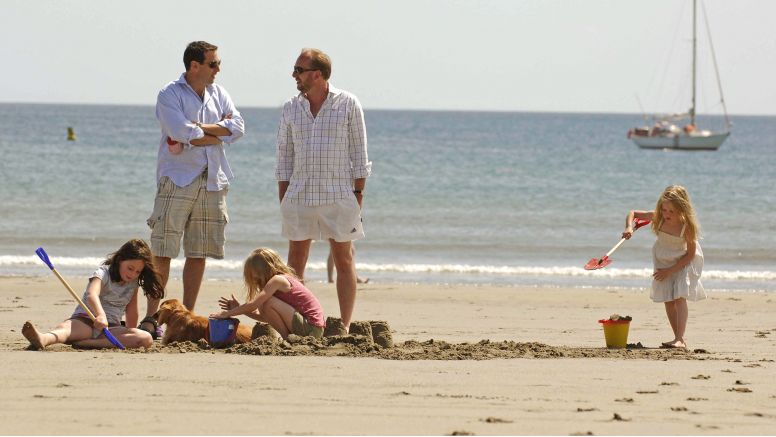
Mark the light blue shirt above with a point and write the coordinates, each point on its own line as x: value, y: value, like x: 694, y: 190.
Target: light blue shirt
x: 178, y: 107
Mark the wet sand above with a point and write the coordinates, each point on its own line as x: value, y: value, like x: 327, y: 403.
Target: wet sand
x: 478, y: 360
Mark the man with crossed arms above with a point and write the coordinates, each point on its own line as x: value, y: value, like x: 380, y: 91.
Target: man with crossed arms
x: 197, y: 118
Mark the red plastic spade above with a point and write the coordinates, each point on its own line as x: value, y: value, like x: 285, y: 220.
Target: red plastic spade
x: 595, y: 263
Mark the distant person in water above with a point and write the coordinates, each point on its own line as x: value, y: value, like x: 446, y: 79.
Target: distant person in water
x: 330, y: 266
x: 197, y: 118
x: 322, y: 167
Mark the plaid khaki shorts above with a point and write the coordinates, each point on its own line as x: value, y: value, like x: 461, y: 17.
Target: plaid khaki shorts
x: 191, y: 212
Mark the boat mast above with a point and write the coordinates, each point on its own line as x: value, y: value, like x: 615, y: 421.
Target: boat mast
x: 716, y: 68
x: 694, y: 48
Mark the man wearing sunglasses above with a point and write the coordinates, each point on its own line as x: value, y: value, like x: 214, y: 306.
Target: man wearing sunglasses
x: 322, y: 166
x: 197, y: 118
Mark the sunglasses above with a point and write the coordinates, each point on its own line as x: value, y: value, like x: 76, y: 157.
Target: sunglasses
x: 300, y: 70
x: 212, y: 64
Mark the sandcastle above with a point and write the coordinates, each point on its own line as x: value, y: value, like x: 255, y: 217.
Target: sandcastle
x: 261, y: 329
x: 377, y: 330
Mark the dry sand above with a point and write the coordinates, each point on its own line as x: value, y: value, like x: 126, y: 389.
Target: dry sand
x: 477, y: 360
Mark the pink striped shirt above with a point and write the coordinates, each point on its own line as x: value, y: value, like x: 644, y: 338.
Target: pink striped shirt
x: 304, y: 302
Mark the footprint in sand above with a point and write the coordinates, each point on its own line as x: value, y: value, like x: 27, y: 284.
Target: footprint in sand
x: 495, y: 420
x: 740, y: 389
x: 699, y: 425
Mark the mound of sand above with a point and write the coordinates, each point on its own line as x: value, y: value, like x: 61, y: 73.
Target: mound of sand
x: 362, y: 346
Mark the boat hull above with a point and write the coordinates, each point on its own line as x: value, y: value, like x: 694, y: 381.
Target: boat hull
x: 681, y: 141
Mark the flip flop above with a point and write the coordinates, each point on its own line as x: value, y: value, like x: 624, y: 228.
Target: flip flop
x: 155, y: 332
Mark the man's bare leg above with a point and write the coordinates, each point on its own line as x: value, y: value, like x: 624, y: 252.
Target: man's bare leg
x: 346, y: 279
x: 298, y: 251
x: 193, y: 271
x: 330, y: 268
x: 162, y: 264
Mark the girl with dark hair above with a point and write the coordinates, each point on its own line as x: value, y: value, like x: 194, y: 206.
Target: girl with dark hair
x: 110, y: 294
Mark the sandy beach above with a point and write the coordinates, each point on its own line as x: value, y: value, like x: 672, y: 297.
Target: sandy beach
x: 467, y: 360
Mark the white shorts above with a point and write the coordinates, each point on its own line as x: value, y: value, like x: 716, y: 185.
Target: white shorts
x: 340, y: 221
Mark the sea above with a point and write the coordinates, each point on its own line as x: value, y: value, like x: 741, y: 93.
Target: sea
x: 455, y: 197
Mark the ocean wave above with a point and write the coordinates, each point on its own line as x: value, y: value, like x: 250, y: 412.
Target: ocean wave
x: 9, y: 262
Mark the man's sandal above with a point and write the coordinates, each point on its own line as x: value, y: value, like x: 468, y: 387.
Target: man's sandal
x: 155, y: 331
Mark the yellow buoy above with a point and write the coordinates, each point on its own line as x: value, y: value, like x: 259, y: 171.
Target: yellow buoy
x: 70, y: 134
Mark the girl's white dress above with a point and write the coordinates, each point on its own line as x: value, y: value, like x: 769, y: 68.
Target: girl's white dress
x: 685, y: 283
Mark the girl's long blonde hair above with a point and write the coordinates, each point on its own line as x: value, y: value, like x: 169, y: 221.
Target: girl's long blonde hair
x: 260, y: 266
x: 677, y: 195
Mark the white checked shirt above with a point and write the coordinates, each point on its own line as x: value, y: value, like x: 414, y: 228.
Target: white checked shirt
x: 321, y: 156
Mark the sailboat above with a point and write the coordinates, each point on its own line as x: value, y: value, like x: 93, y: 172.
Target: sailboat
x: 665, y: 134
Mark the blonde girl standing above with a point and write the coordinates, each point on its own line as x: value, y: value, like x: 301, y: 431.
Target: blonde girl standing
x: 677, y: 257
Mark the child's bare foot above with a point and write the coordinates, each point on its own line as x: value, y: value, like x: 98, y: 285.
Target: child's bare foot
x: 32, y: 334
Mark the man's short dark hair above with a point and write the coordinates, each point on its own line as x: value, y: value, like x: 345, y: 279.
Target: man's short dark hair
x: 195, y: 51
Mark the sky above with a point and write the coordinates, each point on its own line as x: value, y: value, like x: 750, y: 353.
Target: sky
x: 611, y: 56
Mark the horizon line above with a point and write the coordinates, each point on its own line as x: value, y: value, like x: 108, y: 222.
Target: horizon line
x: 404, y: 109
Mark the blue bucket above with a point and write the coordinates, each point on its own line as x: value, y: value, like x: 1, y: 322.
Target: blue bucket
x: 222, y: 331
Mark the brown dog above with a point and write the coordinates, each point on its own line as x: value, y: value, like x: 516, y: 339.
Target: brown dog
x: 183, y: 325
